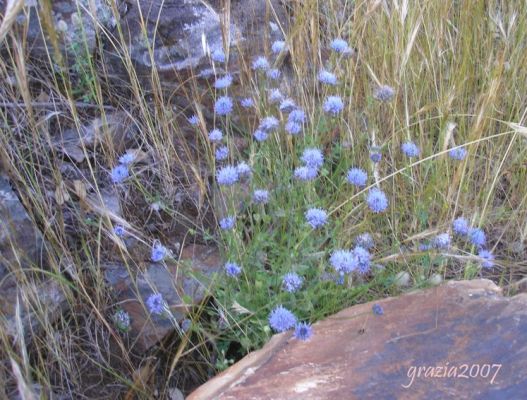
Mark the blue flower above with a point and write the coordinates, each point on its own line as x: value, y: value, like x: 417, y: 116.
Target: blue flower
x: 316, y: 217
x: 376, y: 156
x: 247, y: 102
x: 156, y: 304
x: 223, y: 105
x: 119, y: 230
x: 261, y: 196
x: 298, y: 116
x: 410, y: 149
x: 278, y: 46
x: 327, y: 77
x: 232, y: 269
x: 281, y: 319
x: 343, y: 261
x: 287, y: 105
x: 441, y: 241
x: 305, y: 173
x: 159, y: 252
x: 222, y: 153
x: 377, y: 309
x: 218, y: 56
x: 119, y: 173
x: 227, y: 223
x: 303, y: 331
x: 460, y: 226
x: 260, y: 135
x: 227, y: 175
x: 377, y: 200
x: 477, y: 237
x: 312, y: 158
x: 487, y: 257
x: 261, y: 63
x: 357, y: 177
x: 127, y: 158
x: 243, y: 169
x: 275, y: 96
x: 193, y: 120
x: 333, y: 105
x: 293, y: 128
x: 122, y: 320
x: 269, y: 124
x: 273, y: 74
x: 339, y: 46
x: 363, y: 259
x: 223, y: 83
x: 215, y: 135
x: 458, y: 153
x: 384, y: 93
x: 365, y: 241
x: 292, y: 282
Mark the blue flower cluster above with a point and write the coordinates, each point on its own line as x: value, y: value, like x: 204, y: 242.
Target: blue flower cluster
x: 476, y: 237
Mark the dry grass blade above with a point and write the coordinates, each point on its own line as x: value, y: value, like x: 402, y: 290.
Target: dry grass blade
x: 12, y: 10
x: 24, y: 390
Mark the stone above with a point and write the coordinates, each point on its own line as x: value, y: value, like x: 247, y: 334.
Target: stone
x: 466, y: 328
x: 183, y: 286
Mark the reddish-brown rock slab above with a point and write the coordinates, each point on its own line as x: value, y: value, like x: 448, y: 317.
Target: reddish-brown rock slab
x: 464, y: 328
x: 183, y: 285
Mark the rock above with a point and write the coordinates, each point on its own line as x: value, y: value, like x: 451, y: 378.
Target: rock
x: 402, y: 279
x: 464, y: 327
x: 182, y: 285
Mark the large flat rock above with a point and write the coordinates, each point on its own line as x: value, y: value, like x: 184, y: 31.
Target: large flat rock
x: 467, y: 330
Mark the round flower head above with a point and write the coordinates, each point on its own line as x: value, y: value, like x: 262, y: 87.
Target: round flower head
x: 222, y: 153
x: 424, y: 246
x: 487, y: 258
x: 273, y: 74
x: 292, y: 282
x: 293, y: 128
x: 278, y: 46
x: 218, y: 56
x: 365, y: 241
x: 458, y: 153
x: 357, y: 177
x: 156, y: 304
x: 275, y: 96
x: 363, y: 259
x: 223, y: 83
x: 384, y: 93
x: 269, y: 124
x: 227, y: 223
x: 327, y: 77
x: 122, y: 320
x: 227, y: 175
x: 305, y: 173
x: 460, y: 226
x: 232, y: 269
x: 313, y: 158
x: 261, y: 196
x: 119, y: 173
x: 260, y: 135
x: 377, y: 309
x: 410, y: 149
x: 303, y: 331
x: 159, y: 252
x: 193, y: 120
x: 376, y: 156
x: 247, y: 102
x: 343, y: 261
x: 287, y: 105
x: 215, y: 135
x: 441, y: 241
x: 477, y: 237
x: 260, y: 63
x: 339, y: 45
x: 333, y: 105
x: 377, y: 200
x: 127, y: 158
x: 298, y: 116
x: 316, y: 217
x: 119, y: 230
x: 243, y: 169
x: 223, y: 105
x: 281, y: 319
